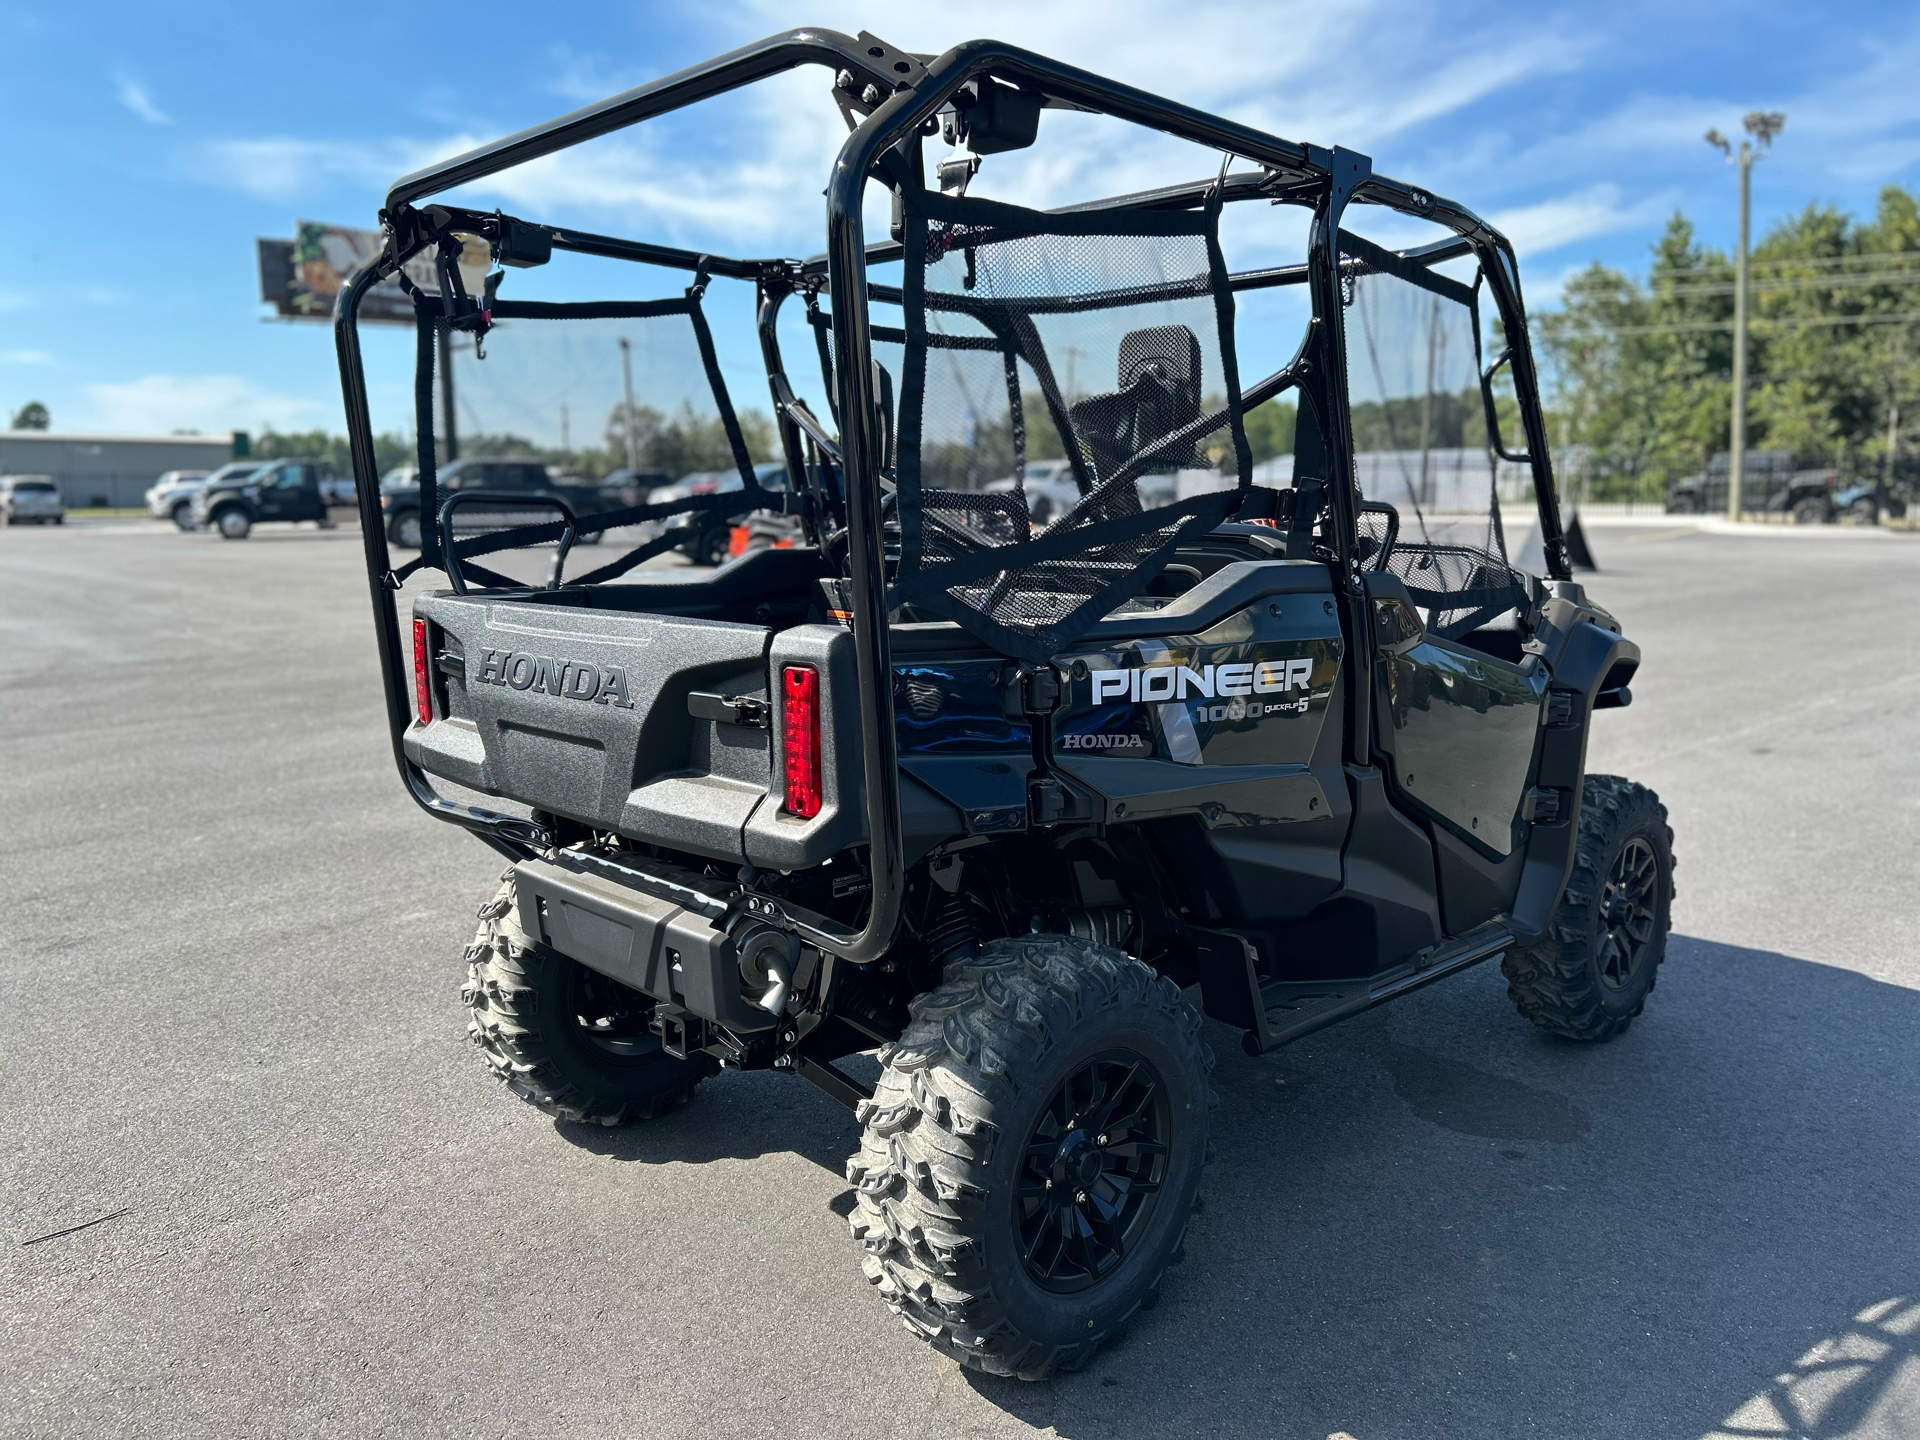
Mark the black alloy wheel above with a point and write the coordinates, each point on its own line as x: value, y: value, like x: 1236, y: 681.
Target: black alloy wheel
x: 714, y: 546
x: 1627, y: 910
x: 1031, y: 1153
x: 1589, y: 973
x: 1092, y: 1171
x: 614, y: 1018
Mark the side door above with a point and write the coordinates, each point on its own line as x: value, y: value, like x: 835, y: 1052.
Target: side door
x: 304, y: 500
x: 1457, y: 703
x: 278, y: 491
x: 1456, y: 725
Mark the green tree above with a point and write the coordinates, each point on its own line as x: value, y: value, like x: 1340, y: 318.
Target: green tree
x: 1270, y: 429
x: 331, y: 450
x: 1641, y: 371
x: 31, y: 416
x: 686, y: 441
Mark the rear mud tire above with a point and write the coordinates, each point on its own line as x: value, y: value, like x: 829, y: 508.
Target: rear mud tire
x: 1562, y: 982
x: 944, y: 1159
x: 521, y: 999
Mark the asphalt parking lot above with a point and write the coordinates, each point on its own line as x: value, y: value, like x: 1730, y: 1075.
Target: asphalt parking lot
x: 229, y: 978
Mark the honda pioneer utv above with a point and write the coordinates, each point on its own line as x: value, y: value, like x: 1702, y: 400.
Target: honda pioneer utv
x: 1012, y: 807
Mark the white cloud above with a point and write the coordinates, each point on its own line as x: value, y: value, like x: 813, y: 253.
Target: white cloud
x: 26, y: 357
x: 1595, y: 210
x: 754, y: 180
x: 284, y: 167
x: 137, y: 98
x: 160, y: 404
x: 747, y: 175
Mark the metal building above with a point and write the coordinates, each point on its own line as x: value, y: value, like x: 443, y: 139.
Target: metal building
x: 109, y: 469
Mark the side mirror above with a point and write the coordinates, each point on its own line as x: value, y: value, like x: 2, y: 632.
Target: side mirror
x: 1497, y: 393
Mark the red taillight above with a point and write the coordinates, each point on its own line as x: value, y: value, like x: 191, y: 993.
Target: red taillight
x: 800, y: 720
x: 422, y: 691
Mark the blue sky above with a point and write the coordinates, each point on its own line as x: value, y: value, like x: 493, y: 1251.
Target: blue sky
x: 143, y: 148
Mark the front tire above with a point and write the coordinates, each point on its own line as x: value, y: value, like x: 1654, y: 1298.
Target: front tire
x: 404, y: 530
x: 1590, y: 974
x: 1031, y: 1153
x: 233, y: 524
x: 567, y: 1040
x: 1810, y: 512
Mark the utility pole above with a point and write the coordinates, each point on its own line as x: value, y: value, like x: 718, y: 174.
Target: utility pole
x: 1762, y: 125
x: 626, y: 374
x: 1893, y: 433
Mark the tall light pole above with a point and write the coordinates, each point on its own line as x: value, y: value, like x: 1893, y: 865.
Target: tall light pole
x: 626, y: 374
x: 1762, y: 125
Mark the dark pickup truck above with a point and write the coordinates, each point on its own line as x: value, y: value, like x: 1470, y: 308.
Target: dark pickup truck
x: 285, y: 491
x: 400, y: 495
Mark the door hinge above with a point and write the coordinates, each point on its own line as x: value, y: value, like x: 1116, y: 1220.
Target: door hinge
x: 1038, y: 691
x: 1049, y: 802
x: 1542, y: 807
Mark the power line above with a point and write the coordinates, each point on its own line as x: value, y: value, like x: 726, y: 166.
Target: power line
x: 1869, y: 257
x: 1812, y: 282
x: 1797, y: 323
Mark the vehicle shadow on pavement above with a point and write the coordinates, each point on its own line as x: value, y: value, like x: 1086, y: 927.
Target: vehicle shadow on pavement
x: 1435, y: 1221
x: 735, y: 1116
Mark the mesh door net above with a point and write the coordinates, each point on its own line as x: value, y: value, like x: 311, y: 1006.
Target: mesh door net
x: 625, y: 391
x: 1100, y: 342
x: 1420, y: 442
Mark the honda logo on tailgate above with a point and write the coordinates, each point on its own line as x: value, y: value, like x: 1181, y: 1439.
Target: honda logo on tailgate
x: 569, y: 679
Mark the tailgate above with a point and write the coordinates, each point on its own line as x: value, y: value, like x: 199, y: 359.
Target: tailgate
x: 584, y: 713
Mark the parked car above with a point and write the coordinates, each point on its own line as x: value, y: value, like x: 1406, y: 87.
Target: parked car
x: 643, y: 480
x: 1868, y: 504
x: 31, y: 499
x: 512, y: 475
x: 1050, y: 488
x: 711, y: 540
x: 282, y: 491
x: 1769, y: 484
x: 171, y: 496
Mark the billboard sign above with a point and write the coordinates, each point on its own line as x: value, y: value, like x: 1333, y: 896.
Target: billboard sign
x: 302, y: 277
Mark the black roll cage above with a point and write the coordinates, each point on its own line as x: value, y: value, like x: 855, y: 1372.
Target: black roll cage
x: 898, y: 94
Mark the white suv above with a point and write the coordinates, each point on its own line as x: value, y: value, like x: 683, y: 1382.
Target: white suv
x: 34, y: 498
x: 171, y: 496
